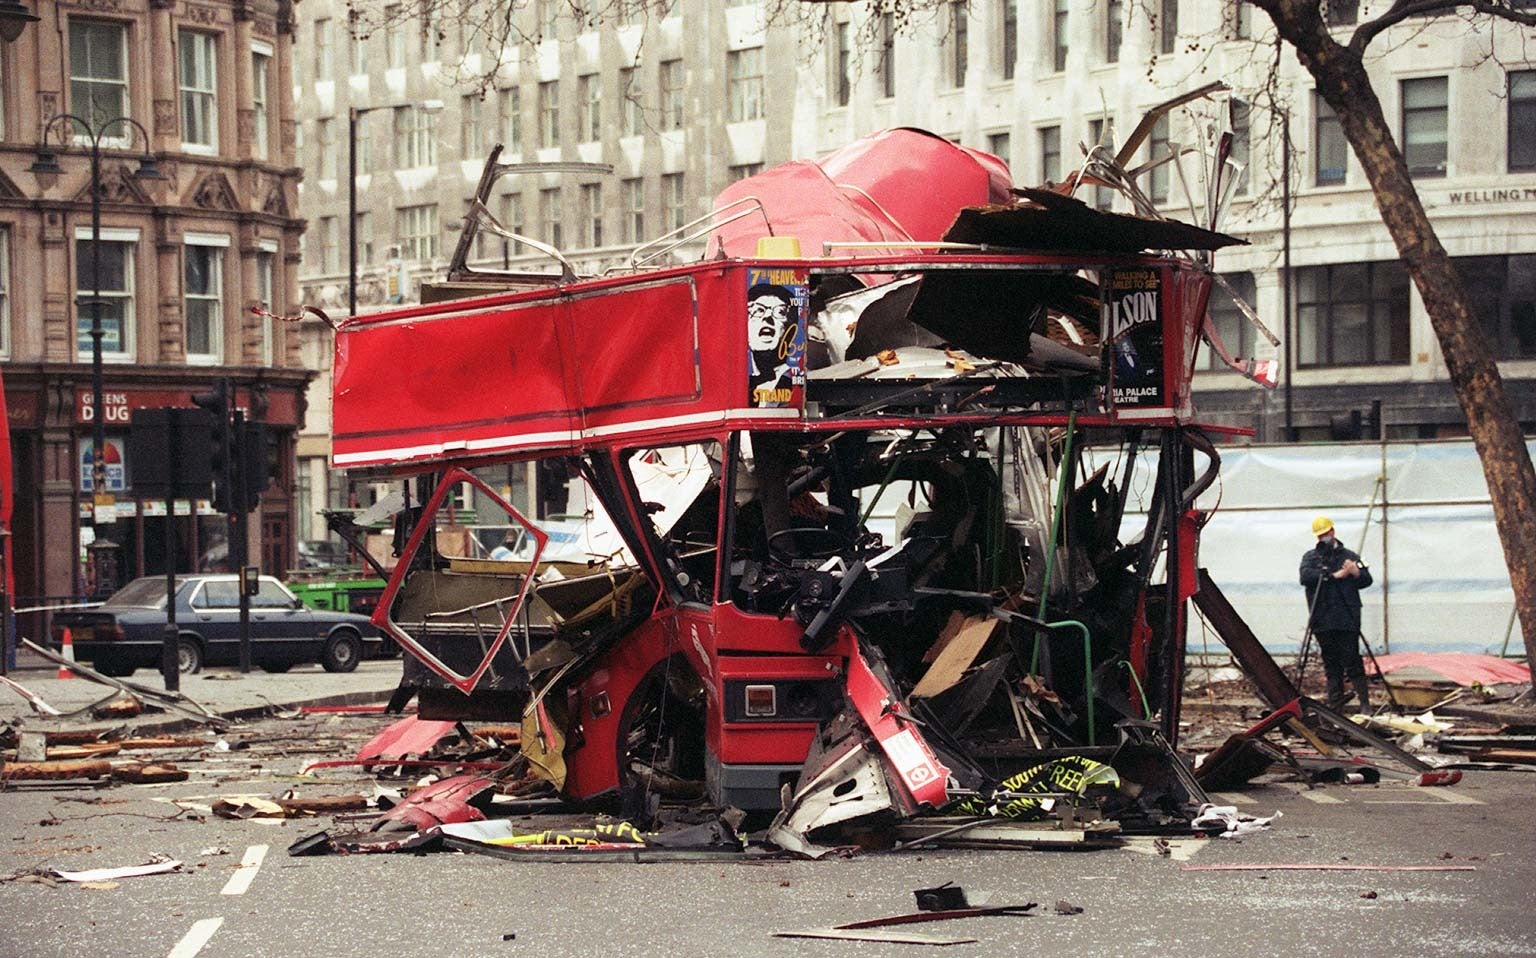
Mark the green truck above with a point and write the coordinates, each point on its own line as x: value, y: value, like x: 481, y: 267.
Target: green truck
x: 340, y: 595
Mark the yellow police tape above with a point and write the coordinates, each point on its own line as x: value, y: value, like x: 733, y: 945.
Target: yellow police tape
x: 1071, y: 774
x: 618, y: 833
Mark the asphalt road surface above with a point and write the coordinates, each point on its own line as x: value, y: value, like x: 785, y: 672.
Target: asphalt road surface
x: 1135, y: 902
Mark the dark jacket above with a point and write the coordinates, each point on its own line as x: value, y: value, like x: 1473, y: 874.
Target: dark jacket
x: 1335, y: 603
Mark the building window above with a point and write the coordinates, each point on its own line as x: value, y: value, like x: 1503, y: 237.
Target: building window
x: 672, y: 201
x: 671, y: 94
x: 741, y: 171
x: 394, y: 37
x: 549, y: 217
x: 325, y: 136
x: 114, y: 294
x: 1102, y: 134
x: 415, y: 137
x: 1010, y: 37
x: 998, y: 144
x: 959, y: 40
x: 592, y: 214
x: 471, y: 131
x: 744, y: 84
x: 261, y: 120
x: 1168, y: 26
x: 98, y: 70
x: 1344, y: 12
x: 362, y: 149
x: 1050, y: 154
x: 1502, y: 291
x: 417, y: 226
x: 430, y: 39
x: 203, y: 291
x: 199, y: 91
x: 841, y: 82
x: 1242, y: 145
x: 1426, y: 114
x: 589, y: 119
x: 358, y: 49
x: 1522, y: 120
x: 634, y: 101
x: 885, y: 70
x: 1059, y: 35
x: 1114, y: 20
x: 1332, y: 151
x: 5, y: 291
x: 266, y: 285
x: 1159, y: 177
x: 1231, y: 325
x: 364, y: 225
x: 1352, y: 314
x: 330, y: 250
x: 512, y: 221
x: 1240, y: 18
x: 633, y: 193
x: 512, y: 119
x: 323, y: 50
x: 549, y: 114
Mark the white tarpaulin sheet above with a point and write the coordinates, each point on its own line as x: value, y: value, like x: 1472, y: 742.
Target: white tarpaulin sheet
x: 1418, y: 513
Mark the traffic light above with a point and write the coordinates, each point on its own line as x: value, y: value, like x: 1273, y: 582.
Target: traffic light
x: 257, y: 462
x: 217, y: 405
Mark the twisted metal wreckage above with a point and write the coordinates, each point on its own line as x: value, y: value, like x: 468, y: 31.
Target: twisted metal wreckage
x: 836, y: 559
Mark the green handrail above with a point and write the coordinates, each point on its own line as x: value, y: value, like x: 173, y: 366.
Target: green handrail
x: 1146, y: 707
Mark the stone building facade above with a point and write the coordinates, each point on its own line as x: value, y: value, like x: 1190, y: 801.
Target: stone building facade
x: 680, y: 98
x: 719, y: 91
x: 177, y: 265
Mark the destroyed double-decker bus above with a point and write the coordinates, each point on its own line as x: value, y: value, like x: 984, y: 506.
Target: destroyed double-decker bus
x: 837, y: 554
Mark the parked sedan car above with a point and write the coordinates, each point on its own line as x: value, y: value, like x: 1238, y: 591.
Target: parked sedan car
x: 127, y: 631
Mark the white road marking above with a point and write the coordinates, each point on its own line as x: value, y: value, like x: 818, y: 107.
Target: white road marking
x: 1322, y: 798
x: 1432, y: 795
x: 1232, y: 798
x: 1179, y: 849
x: 196, y: 937
x: 1451, y: 796
x: 246, y: 873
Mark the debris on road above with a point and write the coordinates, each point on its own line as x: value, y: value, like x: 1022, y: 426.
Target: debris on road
x: 158, y: 865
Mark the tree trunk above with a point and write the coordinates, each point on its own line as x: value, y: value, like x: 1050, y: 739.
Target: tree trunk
x: 1342, y: 81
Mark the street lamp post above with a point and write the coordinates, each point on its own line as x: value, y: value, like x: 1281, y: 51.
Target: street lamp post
x: 353, y: 115
x: 47, y: 165
x: 13, y: 19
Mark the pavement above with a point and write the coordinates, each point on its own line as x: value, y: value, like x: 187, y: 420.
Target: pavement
x: 224, y: 692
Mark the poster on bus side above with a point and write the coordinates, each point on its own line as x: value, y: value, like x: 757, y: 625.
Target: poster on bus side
x: 777, y: 300
x: 1133, y: 339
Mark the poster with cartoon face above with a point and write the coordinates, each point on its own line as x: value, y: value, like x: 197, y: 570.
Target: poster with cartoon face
x: 776, y: 308
x: 1133, y: 337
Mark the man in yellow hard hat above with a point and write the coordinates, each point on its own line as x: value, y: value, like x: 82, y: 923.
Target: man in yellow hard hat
x: 1333, y: 577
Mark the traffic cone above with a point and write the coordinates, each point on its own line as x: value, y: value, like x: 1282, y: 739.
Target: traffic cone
x: 67, y: 649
